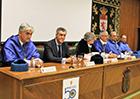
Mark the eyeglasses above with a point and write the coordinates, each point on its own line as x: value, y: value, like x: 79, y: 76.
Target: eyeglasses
x: 27, y: 33
x: 114, y: 35
x: 105, y: 35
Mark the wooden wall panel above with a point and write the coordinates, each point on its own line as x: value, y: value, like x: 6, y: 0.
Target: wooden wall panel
x: 114, y: 78
x: 103, y: 81
x: 9, y: 87
x: 91, y: 86
x: 139, y: 13
x: 129, y: 21
x: 52, y: 90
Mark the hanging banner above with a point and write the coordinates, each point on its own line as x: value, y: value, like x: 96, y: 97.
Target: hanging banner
x: 105, y: 16
x: 71, y: 88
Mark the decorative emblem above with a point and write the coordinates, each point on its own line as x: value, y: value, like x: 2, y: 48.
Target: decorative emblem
x: 94, y: 26
x: 110, y: 28
x: 70, y: 82
x: 126, y: 80
x: 103, y: 19
x: 95, y: 9
x: 112, y: 12
x: 72, y: 93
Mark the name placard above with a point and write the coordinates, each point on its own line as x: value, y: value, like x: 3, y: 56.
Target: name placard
x: 114, y: 60
x: 133, y: 57
x: 48, y: 69
x: 87, y: 64
x: 107, y: 60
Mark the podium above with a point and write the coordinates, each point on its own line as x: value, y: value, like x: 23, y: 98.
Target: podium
x: 102, y: 81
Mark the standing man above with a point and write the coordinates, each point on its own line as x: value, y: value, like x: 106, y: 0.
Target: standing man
x: 113, y: 43
x: 56, y: 50
x: 123, y: 45
x: 20, y: 46
x: 102, y: 45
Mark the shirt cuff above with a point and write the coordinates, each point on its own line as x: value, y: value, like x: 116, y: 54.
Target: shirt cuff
x: 87, y: 57
x: 110, y: 52
x: 29, y: 62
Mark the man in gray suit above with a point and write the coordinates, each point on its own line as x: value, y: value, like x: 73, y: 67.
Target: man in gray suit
x: 56, y: 50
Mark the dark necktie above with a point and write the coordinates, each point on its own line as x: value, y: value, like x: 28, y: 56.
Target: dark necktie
x: 89, y: 49
x: 59, y: 51
x: 116, y: 48
x: 104, y: 47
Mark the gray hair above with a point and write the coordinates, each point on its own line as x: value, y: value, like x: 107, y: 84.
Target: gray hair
x: 60, y: 29
x: 112, y: 33
x: 102, y: 32
x: 89, y: 36
x: 25, y: 26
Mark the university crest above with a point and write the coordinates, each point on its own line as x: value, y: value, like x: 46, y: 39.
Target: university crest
x: 103, y: 19
x: 126, y: 80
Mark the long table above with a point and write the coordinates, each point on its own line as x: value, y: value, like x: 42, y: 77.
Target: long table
x: 103, y: 81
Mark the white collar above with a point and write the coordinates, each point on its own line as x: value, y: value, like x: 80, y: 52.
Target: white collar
x: 89, y: 45
x: 57, y: 42
x: 103, y: 42
x: 20, y: 42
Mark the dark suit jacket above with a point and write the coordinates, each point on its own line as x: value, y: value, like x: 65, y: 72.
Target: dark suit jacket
x: 50, y: 52
x: 82, y: 48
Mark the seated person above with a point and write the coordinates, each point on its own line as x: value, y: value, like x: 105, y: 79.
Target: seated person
x: 56, y: 50
x: 113, y: 43
x: 123, y: 45
x: 102, y: 45
x: 20, y: 46
x: 85, y: 46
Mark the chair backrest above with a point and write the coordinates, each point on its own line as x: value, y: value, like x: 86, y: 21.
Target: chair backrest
x: 72, y: 49
x: 41, y: 51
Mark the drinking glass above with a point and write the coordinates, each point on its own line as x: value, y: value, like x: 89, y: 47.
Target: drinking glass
x: 80, y: 57
x: 33, y: 65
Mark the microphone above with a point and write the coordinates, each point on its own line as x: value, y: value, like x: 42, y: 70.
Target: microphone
x: 71, y: 67
x: 67, y: 54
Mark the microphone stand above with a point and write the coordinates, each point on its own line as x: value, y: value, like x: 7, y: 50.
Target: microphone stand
x: 71, y: 67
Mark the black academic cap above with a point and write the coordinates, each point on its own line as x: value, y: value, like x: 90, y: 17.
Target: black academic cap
x: 98, y: 59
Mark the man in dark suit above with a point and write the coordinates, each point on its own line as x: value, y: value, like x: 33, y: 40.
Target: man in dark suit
x: 56, y: 50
